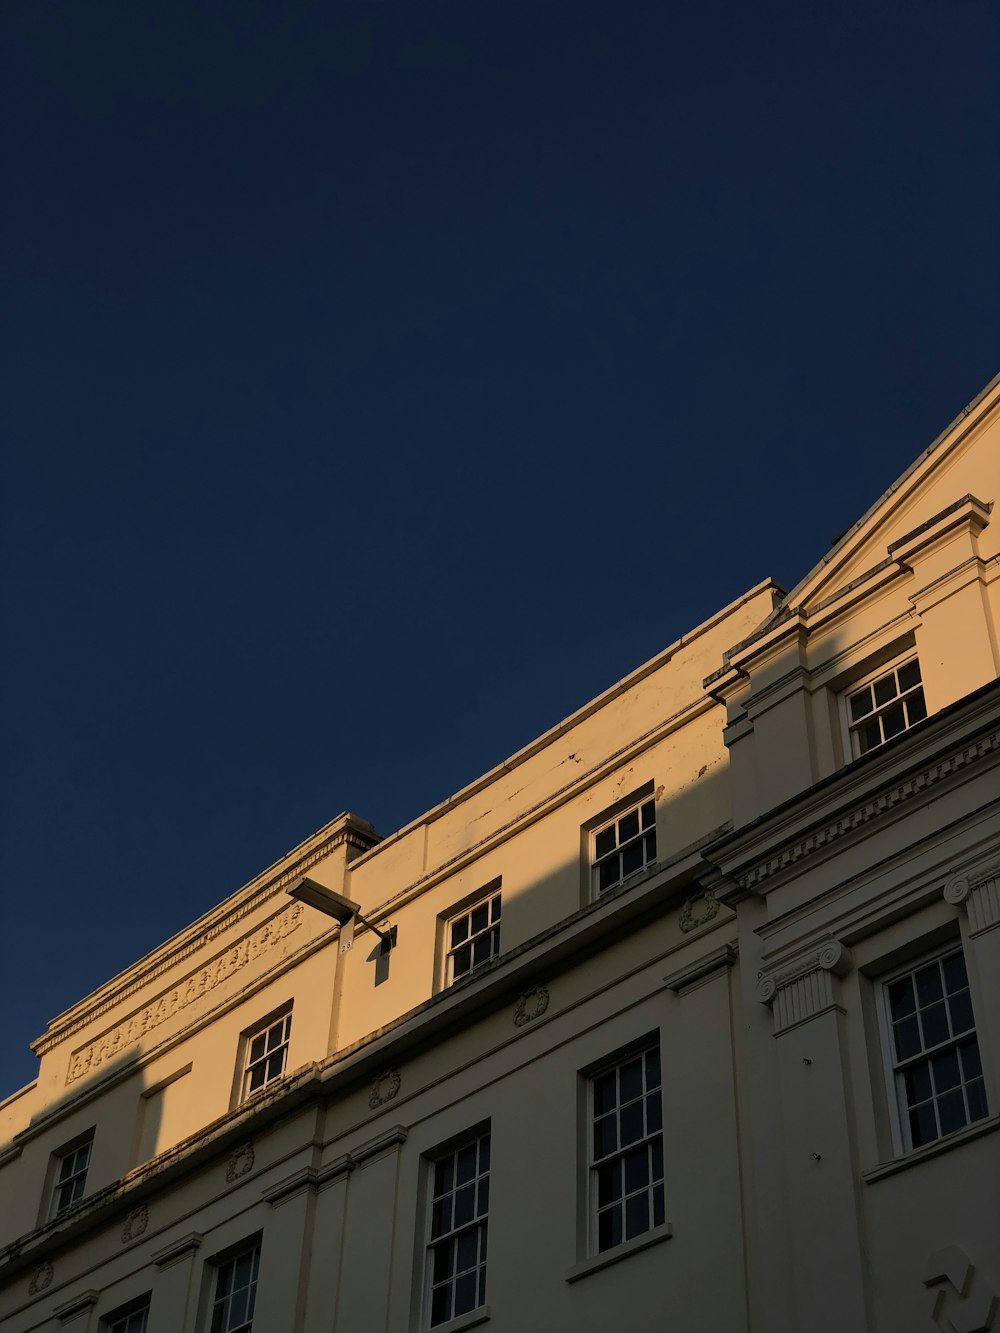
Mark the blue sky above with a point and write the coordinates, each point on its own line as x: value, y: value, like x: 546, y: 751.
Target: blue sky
x: 383, y: 381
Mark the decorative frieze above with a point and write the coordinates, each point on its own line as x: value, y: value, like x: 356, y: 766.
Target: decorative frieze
x: 531, y: 1005
x: 804, y: 987
x: 385, y: 1087
x: 752, y: 879
x: 980, y: 892
x: 192, y: 988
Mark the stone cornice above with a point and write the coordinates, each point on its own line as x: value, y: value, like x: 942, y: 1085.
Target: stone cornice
x: 810, y: 824
x: 345, y: 830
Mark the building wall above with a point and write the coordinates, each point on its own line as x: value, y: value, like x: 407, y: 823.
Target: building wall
x: 792, y: 878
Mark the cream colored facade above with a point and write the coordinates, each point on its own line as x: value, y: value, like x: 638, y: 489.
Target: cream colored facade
x: 798, y: 893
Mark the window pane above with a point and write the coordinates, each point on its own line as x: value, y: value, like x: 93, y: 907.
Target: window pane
x: 441, y: 1216
x: 960, y: 1008
x: 466, y: 1164
x: 923, y: 1126
x: 901, y: 998
x: 465, y: 1293
x: 656, y: 1152
x: 459, y: 931
x: 462, y: 961
x: 605, y: 1136
x: 609, y: 1228
x: 609, y: 1183
x: 468, y: 1251
x: 648, y: 814
x: 976, y: 1095
x: 636, y: 1215
x: 945, y: 1070
x: 658, y: 1210
x: 442, y: 1266
x: 885, y: 689
x: 653, y: 1069
x: 609, y: 874
x: 444, y: 1174
x: 650, y: 842
x: 465, y: 1205
x: 869, y: 737
x: 861, y: 704
x: 495, y: 909
x: 917, y: 1083
x: 484, y: 1153
x: 631, y: 1123
x: 971, y: 1064
x: 632, y: 859
x: 955, y: 976
x: 893, y: 721
x: 928, y: 985
x: 909, y: 675
x: 628, y: 826
x: 480, y: 918
x: 934, y: 1024
x: 654, y: 1117
x: 482, y: 950
x: 441, y: 1305
x: 604, y: 842
x: 951, y: 1109
x: 605, y: 1094
x: 907, y: 1036
x: 916, y: 709
x: 636, y: 1170
x: 483, y: 1197
x: 631, y: 1080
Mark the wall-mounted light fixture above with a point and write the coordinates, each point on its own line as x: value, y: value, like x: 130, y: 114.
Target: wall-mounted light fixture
x: 334, y: 904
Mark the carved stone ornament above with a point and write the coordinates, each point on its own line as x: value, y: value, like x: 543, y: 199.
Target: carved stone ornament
x: 980, y: 893
x: 240, y: 1163
x: 698, y: 909
x: 532, y: 1004
x: 188, y: 991
x: 385, y: 1087
x: 963, y: 1301
x: 40, y: 1279
x: 803, y: 987
x: 135, y: 1224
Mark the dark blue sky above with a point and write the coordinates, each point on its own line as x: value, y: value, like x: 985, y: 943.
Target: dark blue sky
x: 382, y: 381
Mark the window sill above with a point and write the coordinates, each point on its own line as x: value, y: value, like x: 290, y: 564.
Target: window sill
x: 931, y: 1150
x: 598, y: 1261
x: 463, y: 1321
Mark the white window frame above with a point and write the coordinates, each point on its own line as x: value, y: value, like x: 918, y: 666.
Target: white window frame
x: 895, y: 1069
x: 221, y: 1304
x: 651, y: 1140
x: 852, y: 728
x: 278, y: 1024
x: 77, y: 1154
x: 489, y: 899
x: 644, y: 837
x: 473, y: 1229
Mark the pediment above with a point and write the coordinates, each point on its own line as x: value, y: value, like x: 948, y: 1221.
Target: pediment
x: 963, y: 462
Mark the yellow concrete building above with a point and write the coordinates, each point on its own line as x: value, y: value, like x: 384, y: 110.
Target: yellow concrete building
x: 690, y: 1009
